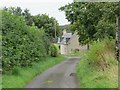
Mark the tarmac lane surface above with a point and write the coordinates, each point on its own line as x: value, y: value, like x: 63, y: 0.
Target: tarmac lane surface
x: 62, y: 75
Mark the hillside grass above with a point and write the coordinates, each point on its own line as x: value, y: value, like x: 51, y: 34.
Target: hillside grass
x: 25, y: 75
x: 98, y: 67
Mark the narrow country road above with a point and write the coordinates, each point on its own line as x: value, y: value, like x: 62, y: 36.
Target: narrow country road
x: 60, y: 76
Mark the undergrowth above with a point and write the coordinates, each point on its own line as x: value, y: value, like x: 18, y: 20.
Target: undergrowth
x: 98, y: 67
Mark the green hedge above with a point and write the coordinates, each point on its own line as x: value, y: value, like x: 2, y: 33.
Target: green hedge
x: 22, y: 45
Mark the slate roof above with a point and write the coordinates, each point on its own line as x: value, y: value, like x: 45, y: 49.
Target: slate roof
x: 65, y: 38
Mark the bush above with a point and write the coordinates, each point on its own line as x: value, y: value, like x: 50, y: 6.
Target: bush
x: 22, y: 45
x: 54, y: 50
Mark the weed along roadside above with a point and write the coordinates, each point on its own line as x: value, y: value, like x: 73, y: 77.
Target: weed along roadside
x: 25, y: 75
x: 98, y: 67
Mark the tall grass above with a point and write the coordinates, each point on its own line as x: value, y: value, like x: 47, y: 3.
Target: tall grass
x: 102, y: 53
x: 98, y: 67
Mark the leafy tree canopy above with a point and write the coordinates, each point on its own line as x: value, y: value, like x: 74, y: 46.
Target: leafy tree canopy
x: 19, y: 12
x: 49, y: 24
x: 91, y: 20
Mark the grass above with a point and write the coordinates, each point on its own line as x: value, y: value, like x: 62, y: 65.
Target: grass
x: 98, y: 67
x: 96, y: 78
x: 76, y: 54
x: 25, y: 75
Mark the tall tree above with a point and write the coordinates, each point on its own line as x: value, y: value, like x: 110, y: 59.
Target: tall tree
x: 28, y: 17
x: 18, y: 11
x: 14, y: 10
x: 49, y: 24
x: 94, y: 20
x: 91, y: 20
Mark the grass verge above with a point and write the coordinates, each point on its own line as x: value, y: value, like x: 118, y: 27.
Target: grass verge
x: 76, y: 54
x: 98, y: 67
x: 25, y: 75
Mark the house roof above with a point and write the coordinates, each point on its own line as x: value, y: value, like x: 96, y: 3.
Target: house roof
x: 67, y: 35
x: 65, y: 38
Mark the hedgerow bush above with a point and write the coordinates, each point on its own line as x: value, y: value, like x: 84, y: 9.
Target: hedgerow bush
x: 54, y: 50
x: 22, y: 45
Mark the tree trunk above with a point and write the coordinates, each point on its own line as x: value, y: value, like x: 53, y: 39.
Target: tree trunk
x: 118, y: 38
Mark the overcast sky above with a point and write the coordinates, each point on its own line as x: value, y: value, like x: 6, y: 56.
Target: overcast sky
x: 49, y: 7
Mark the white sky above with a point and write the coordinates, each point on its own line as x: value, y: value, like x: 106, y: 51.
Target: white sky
x: 50, y: 7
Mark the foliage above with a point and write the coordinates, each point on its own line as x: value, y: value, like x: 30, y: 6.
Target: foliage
x: 26, y: 74
x: 100, y: 65
x: 92, y: 21
x: 14, y: 10
x: 105, y: 28
x: 49, y: 24
x: 54, y: 50
x: 66, y: 27
x: 28, y: 17
x: 21, y: 45
x: 18, y: 12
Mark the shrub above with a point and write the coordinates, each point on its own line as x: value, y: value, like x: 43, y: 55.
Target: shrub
x: 22, y: 45
x: 54, y: 50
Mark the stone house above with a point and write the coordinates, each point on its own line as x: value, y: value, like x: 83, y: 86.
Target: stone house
x: 69, y: 43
